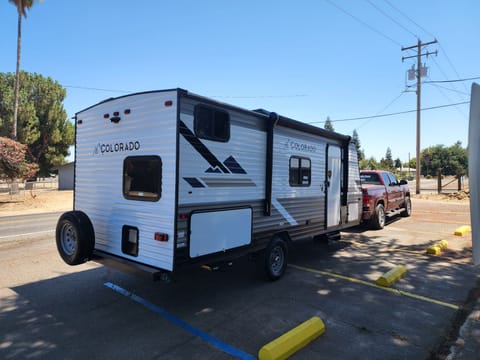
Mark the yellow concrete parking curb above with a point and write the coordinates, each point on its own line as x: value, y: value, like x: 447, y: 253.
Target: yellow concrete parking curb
x: 462, y: 230
x: 292, y: 341
x: 438, y: 247
x: 392, y: 276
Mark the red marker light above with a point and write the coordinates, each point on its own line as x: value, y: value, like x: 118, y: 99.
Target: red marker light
x: 126, y: 111
x: 106, y: 116
x: 116, y: 113
x: 161, y: 237
x: 168, y: 103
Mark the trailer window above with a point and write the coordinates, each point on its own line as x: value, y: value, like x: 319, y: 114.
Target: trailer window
x: 211, y: 124
x: 300, y: 171
x: 142, y: 178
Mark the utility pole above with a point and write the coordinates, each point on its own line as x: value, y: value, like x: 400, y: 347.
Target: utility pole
x: 419, y: 93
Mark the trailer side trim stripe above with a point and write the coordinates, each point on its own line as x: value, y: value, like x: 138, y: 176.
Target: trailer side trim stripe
x: 165, y: 314
x: 201, y: 148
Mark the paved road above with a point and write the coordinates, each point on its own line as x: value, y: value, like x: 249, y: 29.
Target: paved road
x: 24, y: 227
x: 49, y: 310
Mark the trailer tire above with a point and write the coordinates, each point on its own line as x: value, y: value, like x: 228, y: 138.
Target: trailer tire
x: 75, y: 237
x: 407, y: 207
x: 378, y: 220
x: 275, y: 259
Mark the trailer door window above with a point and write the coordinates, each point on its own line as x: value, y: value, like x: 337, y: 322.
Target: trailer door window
x: 300, y: 171
x: 142, y: 178
x: 211, y: 124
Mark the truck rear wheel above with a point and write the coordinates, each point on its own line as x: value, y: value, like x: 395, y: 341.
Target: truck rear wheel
x: 378, y: 220
x: 407, y: 207
x: 75, y: 237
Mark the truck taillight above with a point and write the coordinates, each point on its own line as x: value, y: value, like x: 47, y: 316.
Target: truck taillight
x: 366, y: 198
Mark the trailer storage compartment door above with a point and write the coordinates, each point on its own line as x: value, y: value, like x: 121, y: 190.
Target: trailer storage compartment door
x: 219, y: 230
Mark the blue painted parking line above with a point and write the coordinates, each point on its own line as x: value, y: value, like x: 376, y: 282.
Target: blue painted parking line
x: 204, y: 336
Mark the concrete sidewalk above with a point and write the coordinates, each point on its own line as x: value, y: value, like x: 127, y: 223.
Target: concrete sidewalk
x: 467, y: 345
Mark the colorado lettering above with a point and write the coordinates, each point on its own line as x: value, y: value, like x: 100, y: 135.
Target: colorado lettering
x: 117, y: 147
x: 293, y: 145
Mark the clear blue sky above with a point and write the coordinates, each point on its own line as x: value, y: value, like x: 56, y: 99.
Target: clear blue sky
x: 307, y: 59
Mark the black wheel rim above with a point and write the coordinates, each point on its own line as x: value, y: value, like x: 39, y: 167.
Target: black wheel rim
x: 277, y: 260
x: 68, y: 239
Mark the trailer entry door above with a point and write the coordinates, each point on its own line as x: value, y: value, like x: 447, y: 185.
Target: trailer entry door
x: 334, y: 168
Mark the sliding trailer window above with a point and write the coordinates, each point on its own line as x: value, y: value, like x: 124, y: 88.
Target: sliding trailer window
x: 142, y: 178
x: 300, y: 171
x: 211, y: 124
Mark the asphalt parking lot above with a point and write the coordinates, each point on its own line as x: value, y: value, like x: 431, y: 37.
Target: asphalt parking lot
x: 50, y: 310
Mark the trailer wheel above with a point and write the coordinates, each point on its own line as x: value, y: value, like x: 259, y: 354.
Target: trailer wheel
x: 75, y: 237
x: 378, y: 220
x: 275, y: 259
x: 407, y: 206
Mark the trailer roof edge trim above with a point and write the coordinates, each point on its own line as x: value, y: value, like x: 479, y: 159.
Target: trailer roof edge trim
x: 283, y: 120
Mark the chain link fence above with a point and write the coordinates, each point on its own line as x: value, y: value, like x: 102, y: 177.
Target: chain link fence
x: 24, y: 187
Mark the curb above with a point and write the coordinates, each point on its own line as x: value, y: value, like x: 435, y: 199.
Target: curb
x: 392, y: 276
x: 292, y: 341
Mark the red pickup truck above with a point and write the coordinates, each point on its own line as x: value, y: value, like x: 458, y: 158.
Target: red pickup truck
x: 383, y: 195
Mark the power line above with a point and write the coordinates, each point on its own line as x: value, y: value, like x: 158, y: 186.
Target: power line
x: 433, y: 83
x: 96, y: 89
x: 212, y: 96
x: 428, y: 33
x: 391, y: 18
x: 442, y: 72
x: 409, y: 19
x: 363, y: 23
x: 381, y: 111
x: 450, y: 81
x: 439, y: 89
x: 451, y: 64
x: 393, y: 114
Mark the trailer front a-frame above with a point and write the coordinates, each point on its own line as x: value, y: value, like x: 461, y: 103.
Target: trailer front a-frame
x: 169, y: 179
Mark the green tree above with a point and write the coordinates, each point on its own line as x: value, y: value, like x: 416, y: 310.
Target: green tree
x: 451, y: 160
x: 13, y: 164
x: 22, y: 7
x: 42, y: 121
x: 387, y: 162
x: 369, y: 164
x: 356, y: 141
x: 398, y: 163
x: 328, y: 124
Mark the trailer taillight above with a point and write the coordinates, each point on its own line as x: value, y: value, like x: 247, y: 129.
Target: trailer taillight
x: 161, y: 237
x: 183, y: 216
x: 168, y: 103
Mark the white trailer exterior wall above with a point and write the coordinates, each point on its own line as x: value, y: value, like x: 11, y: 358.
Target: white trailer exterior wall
x: 149, y: 129
x: 266, y: 176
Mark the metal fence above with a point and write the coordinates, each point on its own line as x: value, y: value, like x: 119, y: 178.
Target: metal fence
x: 19, y: 187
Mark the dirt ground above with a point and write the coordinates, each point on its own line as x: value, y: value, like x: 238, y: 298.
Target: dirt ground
x: 55, y: 200
x: 38, y: 202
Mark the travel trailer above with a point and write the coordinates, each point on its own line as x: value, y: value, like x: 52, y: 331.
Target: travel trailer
x: 169, y: 179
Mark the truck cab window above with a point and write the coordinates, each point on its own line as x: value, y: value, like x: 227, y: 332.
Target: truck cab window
x: 142, y: 178
x: 370, y: 178
x: 300, y: 171
x: 211, y: 124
